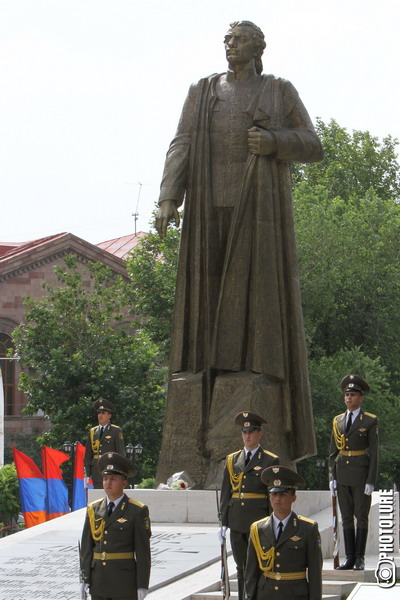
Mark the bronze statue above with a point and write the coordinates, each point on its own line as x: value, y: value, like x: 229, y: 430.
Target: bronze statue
x: 238, y: 319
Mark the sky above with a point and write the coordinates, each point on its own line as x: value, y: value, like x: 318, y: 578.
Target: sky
x: 91, y: 92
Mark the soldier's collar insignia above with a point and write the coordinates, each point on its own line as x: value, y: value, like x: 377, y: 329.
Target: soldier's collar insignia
x: 295, y: 538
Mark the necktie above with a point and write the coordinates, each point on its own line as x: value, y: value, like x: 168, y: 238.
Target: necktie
x: 110, y: 508
x: 349, y: 422
x: 280, y: 528
x: 248, y: 457
x: 101, y: 431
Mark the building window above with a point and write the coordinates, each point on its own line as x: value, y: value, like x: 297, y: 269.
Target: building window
x: 8, y: 372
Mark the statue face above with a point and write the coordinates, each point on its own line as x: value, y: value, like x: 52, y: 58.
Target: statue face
x: 240, y: 48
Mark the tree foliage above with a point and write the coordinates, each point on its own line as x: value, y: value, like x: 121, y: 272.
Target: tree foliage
x: 9, y: 494
x: 348, y: 236
x: 152, y: 270
x: 77, y: 343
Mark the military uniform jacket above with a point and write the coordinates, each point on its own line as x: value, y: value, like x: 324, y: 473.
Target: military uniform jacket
x: 237, y: 510
x: 112, y: 440
x: 362, y: 438
x: 126, y: 532
x: 298, y: 550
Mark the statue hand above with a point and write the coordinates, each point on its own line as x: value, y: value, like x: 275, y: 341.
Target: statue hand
x: 261, y: 141
x: 166, y: 212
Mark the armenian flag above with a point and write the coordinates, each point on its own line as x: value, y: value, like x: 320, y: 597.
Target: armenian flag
x: 57, y: 491
x: 32, y: 489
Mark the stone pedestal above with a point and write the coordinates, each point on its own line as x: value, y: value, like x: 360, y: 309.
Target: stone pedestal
x: 197, y: 439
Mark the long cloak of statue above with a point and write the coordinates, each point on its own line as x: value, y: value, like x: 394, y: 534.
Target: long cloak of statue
x: 243, y: 313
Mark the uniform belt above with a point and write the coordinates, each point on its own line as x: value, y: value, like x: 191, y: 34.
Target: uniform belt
x: 247, y: 495
x: 285, y: 576
x: 352, y: 452
x: 112, y: 555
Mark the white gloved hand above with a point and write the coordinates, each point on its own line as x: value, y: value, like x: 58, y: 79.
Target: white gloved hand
x: 141, y: 593
x: 222, y: 534
x: 85, y: 482
x: 369, y: 488
x: 333, y: 486
x: 84, y: 590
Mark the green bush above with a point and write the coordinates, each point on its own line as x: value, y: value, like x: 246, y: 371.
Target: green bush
x: 9, y: 494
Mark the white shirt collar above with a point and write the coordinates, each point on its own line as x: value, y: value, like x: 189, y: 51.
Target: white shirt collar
x: 252, y: 451
x: 116, y: 502
x: 354, y: 412
x: 276, y: 522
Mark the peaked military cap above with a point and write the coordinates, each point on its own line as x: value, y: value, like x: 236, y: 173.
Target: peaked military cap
x: 102, y: 404
x: 112, y: 462
x: 354, y: 383
x: 281, y: 479
x: 249, y: 421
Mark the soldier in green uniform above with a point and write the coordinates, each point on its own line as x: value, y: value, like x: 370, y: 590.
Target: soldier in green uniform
x: 354, y: 458
x: 284, y: 559
x: 244, y: 497
x: 115, y: 546
x: 102, y: 438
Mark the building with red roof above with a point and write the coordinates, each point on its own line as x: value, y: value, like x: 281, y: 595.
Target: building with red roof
x: 24, y: 266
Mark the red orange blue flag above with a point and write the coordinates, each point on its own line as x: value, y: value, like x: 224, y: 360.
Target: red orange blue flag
x: 57, y: 491
x: 79, y: 491
x: 32, y: 489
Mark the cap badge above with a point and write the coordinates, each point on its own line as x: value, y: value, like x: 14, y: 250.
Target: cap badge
x: 351, y: 384
x: 110, y: 468
x: 246, y: 424
x: 110, y: 455
x: 275, y: 469
x: 245, y: 414
x: 277, y: 482
x: 351, y: 376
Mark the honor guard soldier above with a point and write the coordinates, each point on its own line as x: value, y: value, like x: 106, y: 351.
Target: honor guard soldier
x: 354, y: 457
x: 284, y: 558
x: 244, y: 497
x: 102, y: 438
x: 115, y: 546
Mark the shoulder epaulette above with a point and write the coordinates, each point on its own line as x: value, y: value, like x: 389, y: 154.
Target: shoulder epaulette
x: 136, y: 502
x: 306, y: 519
x: 233, y: 454
x: 115, y: 426
x: 369, y: 414
x: 270, y: 454
x: 263, y: 520
x: 337, y: 416
x: 96, y: 501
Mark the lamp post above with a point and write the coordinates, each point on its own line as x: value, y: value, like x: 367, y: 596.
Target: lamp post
x: 320, y: 465
x: 133, y: 453
x: 69, y: 449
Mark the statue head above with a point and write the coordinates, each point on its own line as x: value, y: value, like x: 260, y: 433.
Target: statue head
x: 257, y: 37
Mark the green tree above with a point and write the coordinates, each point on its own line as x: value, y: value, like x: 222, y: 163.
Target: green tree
x: 9, y: 494
x: 77, y: 343
x: 152, y: 270
x: 353, y: 163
